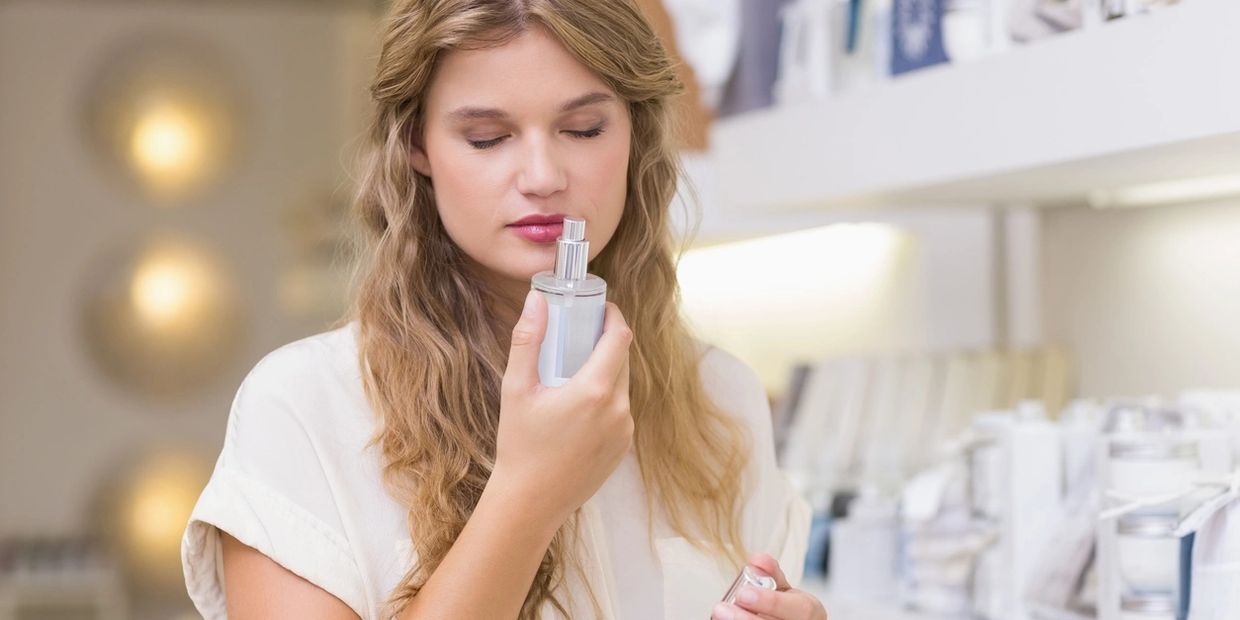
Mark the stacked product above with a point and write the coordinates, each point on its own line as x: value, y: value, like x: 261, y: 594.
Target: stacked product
x: 975, y: 552
x: 1155, y: 466
x: 944, y: 540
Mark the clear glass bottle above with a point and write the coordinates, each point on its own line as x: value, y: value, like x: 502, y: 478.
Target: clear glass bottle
x: 1149, y: 552
x: 576, y: 301
x: 749, y: 576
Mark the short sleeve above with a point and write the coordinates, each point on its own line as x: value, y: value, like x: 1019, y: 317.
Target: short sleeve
x: 776, y: 517
x: 271, y: 491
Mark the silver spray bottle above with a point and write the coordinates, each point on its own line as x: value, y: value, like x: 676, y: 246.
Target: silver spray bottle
x: 576, y: 301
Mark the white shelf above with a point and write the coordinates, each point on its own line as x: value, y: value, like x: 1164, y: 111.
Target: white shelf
x: 842, y: 607
x: 1143, y: 99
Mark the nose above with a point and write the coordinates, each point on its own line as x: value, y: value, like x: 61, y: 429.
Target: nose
x: 541, y: 173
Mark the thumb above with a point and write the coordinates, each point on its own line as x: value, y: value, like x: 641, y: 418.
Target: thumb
x: 767, y: 564
x: 527, y: 337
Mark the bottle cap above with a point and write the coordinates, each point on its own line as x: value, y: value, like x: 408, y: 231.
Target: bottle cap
x: 572, y: 251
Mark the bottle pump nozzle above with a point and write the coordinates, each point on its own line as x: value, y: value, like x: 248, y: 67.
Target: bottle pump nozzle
x: 572, y: 251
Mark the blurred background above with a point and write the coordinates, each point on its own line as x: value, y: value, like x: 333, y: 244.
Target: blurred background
x: 929, y: 225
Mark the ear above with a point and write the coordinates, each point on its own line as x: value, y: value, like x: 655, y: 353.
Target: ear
x: 420, y: 161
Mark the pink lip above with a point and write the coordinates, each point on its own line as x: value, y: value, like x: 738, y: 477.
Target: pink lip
x: 538, y: 233
x: 537, y: 218
x: 539, y: 228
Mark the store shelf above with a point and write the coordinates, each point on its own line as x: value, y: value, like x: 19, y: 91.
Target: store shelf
x: 1143, y: 99
x: 843, y: 607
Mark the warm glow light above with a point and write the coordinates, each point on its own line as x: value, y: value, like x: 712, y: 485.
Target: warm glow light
x: 167, y: 286
x: 159, y: 505
x: 161, y: 316
x: 791, y: 295
x: 168, y: 145
x: 165, y: 114
x: 159, y: 514
x: 1168, y: 192
x: 838, y: 261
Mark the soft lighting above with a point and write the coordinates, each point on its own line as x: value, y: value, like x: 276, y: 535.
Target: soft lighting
x: 165, y: 114
x: 168, y: 286
x: 834, y: 262
x: 1168, y: 192
x: 166, y: 141
x: 156, y: 506
x: 776, y: 299
x: 161, y: 317
x: 159, y: 512
x: 168, y: 146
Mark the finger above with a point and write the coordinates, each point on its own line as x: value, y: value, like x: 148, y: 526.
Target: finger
x: 622, y: 382
x: 527, y: 337
x: 725, y: 611
x: 787, y: 604
x: 611, y: 352
x: 767, y: 564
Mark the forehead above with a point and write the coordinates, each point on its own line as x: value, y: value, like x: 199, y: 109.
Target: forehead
x: 530, y: 73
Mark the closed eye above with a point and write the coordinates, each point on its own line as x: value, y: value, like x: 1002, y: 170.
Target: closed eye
x: 589, y: 133
x: 483, y: 145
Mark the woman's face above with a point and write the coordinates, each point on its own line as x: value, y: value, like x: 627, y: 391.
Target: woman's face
x: 518, y: 131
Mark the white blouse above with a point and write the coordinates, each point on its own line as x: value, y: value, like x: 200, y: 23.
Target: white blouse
x: 296, y: 481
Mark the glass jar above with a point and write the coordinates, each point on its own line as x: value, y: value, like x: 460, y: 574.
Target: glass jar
x: 1147, y: 607
x: 1149, y: 553
x: 1151, y: 466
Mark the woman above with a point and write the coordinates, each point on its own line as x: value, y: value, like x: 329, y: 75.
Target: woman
x: 409, y: 464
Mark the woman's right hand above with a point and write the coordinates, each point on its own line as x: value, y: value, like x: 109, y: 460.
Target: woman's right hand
x: 558, y: 445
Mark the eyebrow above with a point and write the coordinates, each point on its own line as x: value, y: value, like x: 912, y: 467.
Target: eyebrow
x: 469, y: 112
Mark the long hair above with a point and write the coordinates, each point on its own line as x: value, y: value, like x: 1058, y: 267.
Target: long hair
x: 430, y: 347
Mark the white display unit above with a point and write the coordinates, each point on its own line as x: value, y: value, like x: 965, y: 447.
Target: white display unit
x: 1142, y: 99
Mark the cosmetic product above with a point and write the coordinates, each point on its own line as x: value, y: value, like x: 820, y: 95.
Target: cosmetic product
x: 1148, y: 464
x: 1151, y: 465
x: 986, y: 478
x: 1147, y: 607
x: 966, y: 29
x: 917, y: 35
x: 1017, y: 489
x: 1113, y: 9
x: 1210, y: 557
x: 1030, y: 20
x: 1149, y: 552
x: 805, y: 46
x: 854, y: 21
x: 576, y: 302
x: 749, y: 576
x: 865, y: 545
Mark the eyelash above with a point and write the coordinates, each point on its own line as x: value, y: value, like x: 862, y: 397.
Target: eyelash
x: 483, y: 145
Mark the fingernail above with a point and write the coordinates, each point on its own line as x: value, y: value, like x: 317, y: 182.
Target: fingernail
x: 529, y: 304
x: 747, y: 595
x: 722, y: 612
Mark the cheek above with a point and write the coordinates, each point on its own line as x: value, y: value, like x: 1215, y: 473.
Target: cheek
x: 608, y: 192
x: 464, y: 196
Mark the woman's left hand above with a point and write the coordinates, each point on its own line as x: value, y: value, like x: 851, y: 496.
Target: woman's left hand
x: 782, y: 603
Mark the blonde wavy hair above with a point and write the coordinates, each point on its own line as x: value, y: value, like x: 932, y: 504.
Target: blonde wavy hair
x: 431, y: 348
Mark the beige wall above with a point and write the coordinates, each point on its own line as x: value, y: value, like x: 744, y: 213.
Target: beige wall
x: 1148, y: 299
x: 61, y: 424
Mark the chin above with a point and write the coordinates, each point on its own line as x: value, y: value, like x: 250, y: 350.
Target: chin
x: 533, y: 260
x: 522, y: 270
